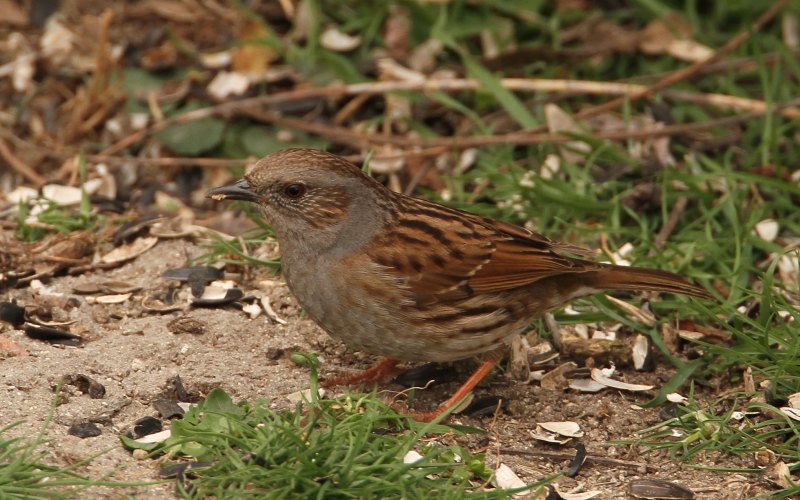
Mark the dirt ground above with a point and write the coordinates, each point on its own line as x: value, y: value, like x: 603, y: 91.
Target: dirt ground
x: 134, y: 355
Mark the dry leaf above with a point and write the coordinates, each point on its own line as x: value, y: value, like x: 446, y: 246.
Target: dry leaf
x: 767, y: 229
x: 599, y: 377
x: 396, y: 32
x: 689, y: 50
x: 566, y: 429
x: 335, y: 40
x: 227, y: 84
x: 507, y: 479
x: 252, y: 57
x: 171, y: 10
x: 660, y: 33
x: 129, y: 252
x: 559, y: 121
x: 12, y: 14
x: 586, y: 385
x: 118, y: 298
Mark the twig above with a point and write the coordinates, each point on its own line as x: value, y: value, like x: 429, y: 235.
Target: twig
x: 628, y: 90
x: 171, y: 162
x: 19, y: 166
x: 418, y: 176
x: 359, y: 140
x: 672, y: 222
x: 732, y: 64
x: 559, y: 455
x: 692, y: 69
x: 419, y: 147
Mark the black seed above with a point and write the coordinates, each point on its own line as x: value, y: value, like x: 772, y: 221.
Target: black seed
x: 84, y: 430
x: 11, y: 313
x: 146, y: 426
x: 485, y: 406
x: 51, y: 334
x: 577, y: 462
x: 167, y: 408
x: 421, y: 375
x: 86, y: 385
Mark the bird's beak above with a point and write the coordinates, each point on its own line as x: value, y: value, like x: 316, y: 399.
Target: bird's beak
x: 239, y: 190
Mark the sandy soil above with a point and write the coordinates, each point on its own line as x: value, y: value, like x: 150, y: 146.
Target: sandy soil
x: 134, y: 355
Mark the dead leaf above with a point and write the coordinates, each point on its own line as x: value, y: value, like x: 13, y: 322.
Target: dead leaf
x: 337, y: 41
x: 131, y: 251
x: 518, y: 363
x: 228, y: 84
x: 12, y: 14
x: 161, y: 57
x: 599, y: 377
x: 252, y: 56
x: 566, y: 428
x: 586, y: 385
x: 10, y: 348
x: 507, y: 479
x: 423, y: 57
x: 559, y: 121
x: 171, y: 10
x: 689, y: 50
x: 396, y: 32
x: 640, y: 315
x: 659, y: 33
x: 554, y: 379
x: 790, y: 29
x: 767, y: 229
x: 779, y: 475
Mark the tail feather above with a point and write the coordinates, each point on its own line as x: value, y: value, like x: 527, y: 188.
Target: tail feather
x: 611, y: 277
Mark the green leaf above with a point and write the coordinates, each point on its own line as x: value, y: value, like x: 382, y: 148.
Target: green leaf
x: 507, y: 100
x: 132, y: 444
x: 684, y: 372
x: 193, y: 138
x: 259, y: 140
x: 220, y: 402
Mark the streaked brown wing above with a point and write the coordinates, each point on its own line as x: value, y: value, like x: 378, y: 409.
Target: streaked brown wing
x: 516, y: 263
x: 439, y: 251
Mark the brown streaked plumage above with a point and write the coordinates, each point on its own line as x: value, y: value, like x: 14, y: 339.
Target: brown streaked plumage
x: 410, y: 279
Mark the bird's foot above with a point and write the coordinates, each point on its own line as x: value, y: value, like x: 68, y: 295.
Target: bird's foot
x: 479, y: 374
x: 382, y: 370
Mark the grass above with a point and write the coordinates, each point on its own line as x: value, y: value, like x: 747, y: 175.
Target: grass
x: 348, y: 447
x: 25, y: 473
x: 56, y: 217
x: 238, y: 251
x: 731, y: 177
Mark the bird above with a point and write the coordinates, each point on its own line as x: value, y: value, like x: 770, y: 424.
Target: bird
x: 412, y: 280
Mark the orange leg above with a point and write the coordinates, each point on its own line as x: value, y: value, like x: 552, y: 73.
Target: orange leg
x: 383, y: 369
x: 478, y: 375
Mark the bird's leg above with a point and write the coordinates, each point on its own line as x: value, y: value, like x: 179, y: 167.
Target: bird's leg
x: 382, y: 370
x: 489, y: 362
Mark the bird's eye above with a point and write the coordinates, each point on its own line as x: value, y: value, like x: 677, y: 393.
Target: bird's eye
x: 294, y: 190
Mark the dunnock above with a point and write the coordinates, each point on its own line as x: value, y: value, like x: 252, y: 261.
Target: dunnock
x: 410, y: 279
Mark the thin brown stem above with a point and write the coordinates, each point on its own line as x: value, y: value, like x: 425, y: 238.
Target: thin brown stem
x: 20, y: 166
x: 672, y: 222
x: 692, y: 69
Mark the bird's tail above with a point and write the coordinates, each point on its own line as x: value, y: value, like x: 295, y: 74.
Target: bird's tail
x: 611, y: 277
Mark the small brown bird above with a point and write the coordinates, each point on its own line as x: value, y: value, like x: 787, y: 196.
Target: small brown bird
x: 410, y: 279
